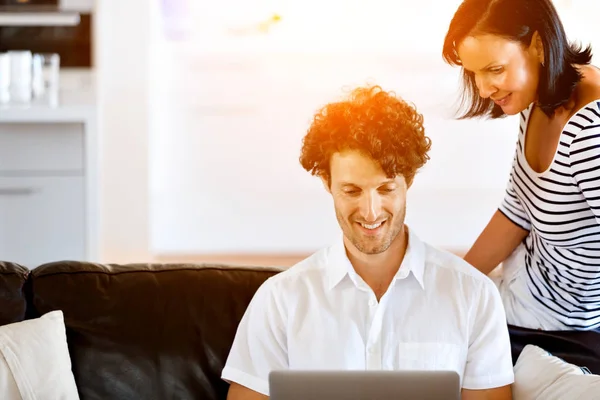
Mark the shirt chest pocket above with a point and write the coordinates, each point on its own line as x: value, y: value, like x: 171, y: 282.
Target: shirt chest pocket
x: 429, y: 356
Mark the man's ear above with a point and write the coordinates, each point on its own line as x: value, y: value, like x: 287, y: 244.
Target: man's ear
x: 409, y: 181
x: 325, y: 182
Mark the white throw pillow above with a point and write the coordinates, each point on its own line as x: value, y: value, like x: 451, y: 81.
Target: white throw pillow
x: 540, y: 375
x: 34, y: 360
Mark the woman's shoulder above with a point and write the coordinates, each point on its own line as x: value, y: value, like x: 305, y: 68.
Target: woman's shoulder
x: 585, y: 125
x: 589, y: 92
x: 586, y: 112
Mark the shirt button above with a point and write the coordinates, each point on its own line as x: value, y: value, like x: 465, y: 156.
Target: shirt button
x: 372, y: 302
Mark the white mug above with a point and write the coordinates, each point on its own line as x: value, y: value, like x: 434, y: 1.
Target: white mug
x: 4, y: 78
x: 20, y: 76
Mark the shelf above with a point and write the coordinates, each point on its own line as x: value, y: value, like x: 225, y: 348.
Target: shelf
x: 38, y: 17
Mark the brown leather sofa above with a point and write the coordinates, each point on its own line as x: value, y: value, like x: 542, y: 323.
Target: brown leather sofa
x: 149, y: 331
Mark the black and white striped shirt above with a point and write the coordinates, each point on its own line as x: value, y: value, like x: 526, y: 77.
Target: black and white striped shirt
x: 561, y: 209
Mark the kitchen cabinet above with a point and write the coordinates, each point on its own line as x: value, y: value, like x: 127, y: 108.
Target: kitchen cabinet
x: 31, y: 149
x: 47, y: 185
x: 42, y: 219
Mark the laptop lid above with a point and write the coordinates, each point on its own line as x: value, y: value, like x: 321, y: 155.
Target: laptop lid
x: 364, y: 385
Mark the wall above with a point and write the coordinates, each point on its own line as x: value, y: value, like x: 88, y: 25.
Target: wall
x: 228, y: 136
x: 122, y: 32
x: 228, y: 115
x: 141, y: 217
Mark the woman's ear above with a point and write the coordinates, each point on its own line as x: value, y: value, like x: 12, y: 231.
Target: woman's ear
x: 537, y: 46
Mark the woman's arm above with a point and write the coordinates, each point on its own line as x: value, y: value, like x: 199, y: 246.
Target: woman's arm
x: 497, y: 241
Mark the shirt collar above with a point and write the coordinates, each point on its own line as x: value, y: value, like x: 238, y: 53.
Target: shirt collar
x: 414, y: 259
x: 338, y: 264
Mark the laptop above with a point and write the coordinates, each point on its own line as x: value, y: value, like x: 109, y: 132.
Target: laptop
x: 364, y: 385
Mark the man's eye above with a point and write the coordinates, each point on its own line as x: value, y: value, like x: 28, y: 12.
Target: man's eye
x: 351, y: 191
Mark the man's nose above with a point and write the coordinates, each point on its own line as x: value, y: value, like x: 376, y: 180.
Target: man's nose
x: 370, y: 207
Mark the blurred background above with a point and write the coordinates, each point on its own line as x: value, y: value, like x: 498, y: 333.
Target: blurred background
x: 170, y: 130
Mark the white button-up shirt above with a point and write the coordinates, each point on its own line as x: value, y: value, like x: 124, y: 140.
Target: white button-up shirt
x: 438, y: 313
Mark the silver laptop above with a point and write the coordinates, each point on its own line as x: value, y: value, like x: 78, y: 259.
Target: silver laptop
x: 364, y: 385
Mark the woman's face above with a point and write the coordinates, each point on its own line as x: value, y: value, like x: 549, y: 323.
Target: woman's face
x: 504, y: 70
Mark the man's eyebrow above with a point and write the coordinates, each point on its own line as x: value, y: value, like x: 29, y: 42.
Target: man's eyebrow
x: 386, y: 182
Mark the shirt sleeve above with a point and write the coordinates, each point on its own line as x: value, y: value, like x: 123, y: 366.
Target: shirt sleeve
x: 511, y: 205
x: 259, y: 345
x: 584, y: 156
x: 489, y: 358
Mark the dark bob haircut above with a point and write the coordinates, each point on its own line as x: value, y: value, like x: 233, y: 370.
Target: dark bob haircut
x: 378, y: 124
x: 517, y: 20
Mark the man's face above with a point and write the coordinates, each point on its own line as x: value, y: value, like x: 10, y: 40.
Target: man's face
x: 369, y: 206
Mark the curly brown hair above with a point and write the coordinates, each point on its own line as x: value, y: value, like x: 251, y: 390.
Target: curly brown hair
x: 373, y: 121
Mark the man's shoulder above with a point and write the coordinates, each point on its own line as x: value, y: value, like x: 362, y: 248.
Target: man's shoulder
x: 455, y: 266
x: 302, y: 273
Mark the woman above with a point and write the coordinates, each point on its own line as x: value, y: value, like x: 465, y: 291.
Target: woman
x: 516, y: 59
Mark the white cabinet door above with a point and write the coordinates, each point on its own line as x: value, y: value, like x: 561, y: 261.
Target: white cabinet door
x: 32, y: 148
x: 41, y: 219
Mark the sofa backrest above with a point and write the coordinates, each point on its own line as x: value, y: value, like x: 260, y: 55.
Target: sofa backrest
x: 13, y: 296
x: 581, y: 348
x: 147, y: 331
x: 154, y: 331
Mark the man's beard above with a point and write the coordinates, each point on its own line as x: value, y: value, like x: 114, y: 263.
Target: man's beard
x: 377, y: 244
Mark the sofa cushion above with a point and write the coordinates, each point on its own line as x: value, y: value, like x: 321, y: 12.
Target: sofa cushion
x: 13, y: 303
x: 35, y: 361
x: 147, y: 331
x: 541, y: 375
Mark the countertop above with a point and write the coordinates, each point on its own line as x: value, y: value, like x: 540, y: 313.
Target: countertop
x: 76, y: 103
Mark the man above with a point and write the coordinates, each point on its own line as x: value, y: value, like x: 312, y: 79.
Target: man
x: 379, y: 298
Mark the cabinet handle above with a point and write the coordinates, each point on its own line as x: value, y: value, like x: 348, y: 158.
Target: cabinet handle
x: 17, y: 191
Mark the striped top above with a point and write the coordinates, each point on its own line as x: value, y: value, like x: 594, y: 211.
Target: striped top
x: 561, y: 209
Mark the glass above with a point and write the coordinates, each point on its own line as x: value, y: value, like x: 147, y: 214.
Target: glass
x: 4, y: 78
x: 46, y: 75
